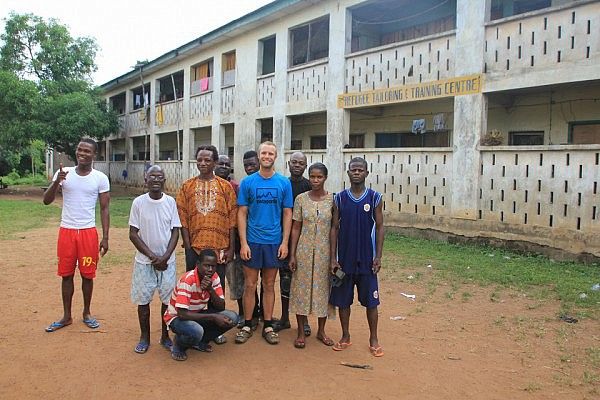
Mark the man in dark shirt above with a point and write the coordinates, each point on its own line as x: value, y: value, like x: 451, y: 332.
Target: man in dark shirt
x: 297, y: 166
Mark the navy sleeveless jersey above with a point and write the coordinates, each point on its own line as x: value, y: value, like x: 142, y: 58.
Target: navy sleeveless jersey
x: 356, y: 236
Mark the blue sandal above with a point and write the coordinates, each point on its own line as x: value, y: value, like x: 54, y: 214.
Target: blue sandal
x: 56, y: 326
x: 91, y: 323
x: 141, y: 347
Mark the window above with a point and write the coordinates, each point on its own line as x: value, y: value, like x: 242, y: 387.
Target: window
x: 117, y: 103
x: 357, y: 141
x: 165, y: 88
x: 526, y: 138
x: 201, y: 77
x: 318, y: 142
x: 166, y: 155
x: 229, y: 69
x: 310, y: 42
x: 507, y: 8
x: 408, y: 139
x: 266, y: 56
x: 140, y: 97
x: 585, y: 132
x: 296, y: 144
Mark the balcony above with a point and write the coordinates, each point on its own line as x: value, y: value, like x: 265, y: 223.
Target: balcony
x: 555, y: 45
x: 306, y: 85
x: 168, y: 115
x: 424, y: 59
x: 265, y: 90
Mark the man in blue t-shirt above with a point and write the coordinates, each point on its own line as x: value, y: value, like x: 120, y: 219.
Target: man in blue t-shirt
x: 356, y: 241
x: 264, y: 221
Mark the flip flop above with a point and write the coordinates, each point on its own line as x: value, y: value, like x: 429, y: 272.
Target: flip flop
x: 141, y: 347
x: 91, y: 323
x: 178, y: 355
x: 326, y: 340
x: 299, y: 343
x: 56, y: 325
x: 203, y: 347
x: 166, y: 344
x: 339, y: 346
x: 376, y: 351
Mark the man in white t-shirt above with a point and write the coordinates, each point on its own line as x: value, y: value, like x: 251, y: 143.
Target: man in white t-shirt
x: 154, y: 231
x: 78, y: 246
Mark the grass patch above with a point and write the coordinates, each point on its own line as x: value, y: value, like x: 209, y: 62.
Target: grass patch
x: 119, y: 212
x: 22, y: 215
x: 537, y: 276
x: 29, y: 180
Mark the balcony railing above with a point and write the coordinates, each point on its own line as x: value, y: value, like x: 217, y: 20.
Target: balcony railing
x: 421, y: 60
x: 265, y: 90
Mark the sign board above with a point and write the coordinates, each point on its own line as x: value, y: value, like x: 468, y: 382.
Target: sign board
x: 451, y: 87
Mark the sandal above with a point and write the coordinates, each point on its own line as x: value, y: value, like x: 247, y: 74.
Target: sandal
x: 221, y: 339
x: 141, y: 347
x: 270, y: 335
x: 299, y: 343
x: 243, y: 335
x: 326, y: 340
x: 376, y: 351
x: 339, y: 346
x: 203, y: 347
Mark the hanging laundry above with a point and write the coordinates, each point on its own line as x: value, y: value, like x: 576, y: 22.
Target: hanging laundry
x: 138, y: 100
x: 418, y: 126
x: 203, y: 84
x: 146, y: 102
x: 439, y: 122
x: 159, y: 115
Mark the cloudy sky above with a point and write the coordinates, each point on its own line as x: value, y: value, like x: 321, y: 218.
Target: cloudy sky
x: 127, y: 31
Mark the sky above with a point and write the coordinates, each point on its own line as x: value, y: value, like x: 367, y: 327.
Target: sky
x: 127, y: 30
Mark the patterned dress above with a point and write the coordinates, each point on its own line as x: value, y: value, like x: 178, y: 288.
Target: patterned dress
x: 310, y: 283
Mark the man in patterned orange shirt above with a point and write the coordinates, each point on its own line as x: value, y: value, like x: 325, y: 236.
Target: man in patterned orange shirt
x: 207, y: 210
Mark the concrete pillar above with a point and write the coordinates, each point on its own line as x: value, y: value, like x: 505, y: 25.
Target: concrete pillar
x: 185, y: 116
x: 338, y: 119
x: 154, y: 140
x: 282, y: 129
x: 470, y: 111
x: 217, y: 137
x: 244, y: 105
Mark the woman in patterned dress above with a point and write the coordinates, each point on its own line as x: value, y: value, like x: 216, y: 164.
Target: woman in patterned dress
x: 309, y: 255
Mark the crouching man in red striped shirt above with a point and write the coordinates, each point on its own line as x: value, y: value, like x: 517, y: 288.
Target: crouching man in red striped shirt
x: 196, y: 312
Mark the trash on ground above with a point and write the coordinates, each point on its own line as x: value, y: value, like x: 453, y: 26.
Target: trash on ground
x: 583, y: 296
x: 455, y: 358
x: 568, y: 319
x: 596, y: 287
x: 409, y: 296
x: 506, y: 257
x: 398, y: 318
x: 410, y: 277
x: 360, y: 366
x: 429, y: 266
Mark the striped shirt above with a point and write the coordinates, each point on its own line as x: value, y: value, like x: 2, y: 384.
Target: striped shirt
x: 188, y: 295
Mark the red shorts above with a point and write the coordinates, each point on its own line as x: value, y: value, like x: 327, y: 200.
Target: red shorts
x: 77, y: 247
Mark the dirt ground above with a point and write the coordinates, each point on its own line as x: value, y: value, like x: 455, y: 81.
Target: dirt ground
x: 465, y: 347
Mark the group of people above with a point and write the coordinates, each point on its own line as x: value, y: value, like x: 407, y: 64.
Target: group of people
x: 321, y: 244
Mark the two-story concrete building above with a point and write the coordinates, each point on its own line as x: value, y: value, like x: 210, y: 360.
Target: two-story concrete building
x: 478, y: 118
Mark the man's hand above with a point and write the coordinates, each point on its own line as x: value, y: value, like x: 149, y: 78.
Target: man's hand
x: 245, y: 253
x: 206, y: 283
x: 159, y: 263
x: 223, y: 321
x: 103, y: 247
x: 229, y: 254
x: 292, y: 264
x: 62, y: 175
x: 334, y: 265
x: 376, y: 265
x: 282, y: 253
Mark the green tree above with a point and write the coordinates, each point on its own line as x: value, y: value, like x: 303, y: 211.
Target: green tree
x: 45, y: 50
x: 45, y: 87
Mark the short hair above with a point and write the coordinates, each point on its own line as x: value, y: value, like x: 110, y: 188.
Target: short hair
x: 359, y: 160
x: 153, y: 168
x: 319, y: 166
x: 206, y: 253
x: 90, y: 141
x: 267, y: 143
x: 211, y: 148
x: 250, y: 154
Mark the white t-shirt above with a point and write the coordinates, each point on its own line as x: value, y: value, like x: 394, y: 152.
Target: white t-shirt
x: 155, y: 219
x: 80, y: 194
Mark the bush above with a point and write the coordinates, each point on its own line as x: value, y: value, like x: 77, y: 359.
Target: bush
x: 13, y: 179
x: 13, y: 176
